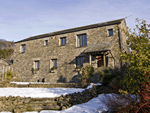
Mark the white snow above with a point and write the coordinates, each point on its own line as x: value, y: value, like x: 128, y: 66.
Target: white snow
x: 92, y: 84
x: 38, y: 92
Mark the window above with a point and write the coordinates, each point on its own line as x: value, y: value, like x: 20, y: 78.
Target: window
x: 110, y: 32
x: 63, y: 41
x: 79, y: 61
x: 37, y: 64
x: 46, y: 42
x: 23, y: 48
x: 55, y: 63
x: 82, y: 40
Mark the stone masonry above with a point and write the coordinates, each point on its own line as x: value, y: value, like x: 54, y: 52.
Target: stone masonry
x: 98, y: 42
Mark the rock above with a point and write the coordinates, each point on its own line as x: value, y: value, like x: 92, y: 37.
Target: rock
x: 63, y: 107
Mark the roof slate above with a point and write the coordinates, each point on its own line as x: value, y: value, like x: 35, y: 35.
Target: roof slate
x: 72, y: 30
x: 98, y: 48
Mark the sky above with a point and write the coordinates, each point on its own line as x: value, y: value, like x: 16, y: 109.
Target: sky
x: 20, y: 19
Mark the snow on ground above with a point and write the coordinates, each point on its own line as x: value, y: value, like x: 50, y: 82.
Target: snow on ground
x: 38, y: 92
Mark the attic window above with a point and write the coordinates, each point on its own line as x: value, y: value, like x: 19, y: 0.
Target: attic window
x: 46, y: 42
x: 63, y: 41
x: 110, y: 32
x: 23, y: 48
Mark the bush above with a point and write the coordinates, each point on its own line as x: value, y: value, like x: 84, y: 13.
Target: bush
x: 115, y: 102
x: 108, y: 75
x: 138, y: 107
x: 87, y: 74
x: 10, y: 75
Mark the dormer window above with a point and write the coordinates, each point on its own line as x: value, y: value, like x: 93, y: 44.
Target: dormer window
x: 23, y: 48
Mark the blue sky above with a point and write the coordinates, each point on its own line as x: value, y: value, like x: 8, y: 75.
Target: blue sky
x: 20, y: 19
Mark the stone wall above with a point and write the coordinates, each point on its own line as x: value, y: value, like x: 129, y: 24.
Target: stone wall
x: 65, y: 55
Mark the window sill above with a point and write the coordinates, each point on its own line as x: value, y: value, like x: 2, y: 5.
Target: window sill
x: 77, y: 70
x: 110, y: 35
x: 35, y: 72
x: 45, y: 46
x: 22, y: 52
x: 52, y: 71
x: 62, y: 45
x: 81, y: 47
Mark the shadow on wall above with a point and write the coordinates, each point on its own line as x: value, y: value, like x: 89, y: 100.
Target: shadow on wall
x: 61, y: 79
x: 76, y: 79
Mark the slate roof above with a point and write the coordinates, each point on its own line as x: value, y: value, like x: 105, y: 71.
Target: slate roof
x: 72, y: 30
x: 98, y: 48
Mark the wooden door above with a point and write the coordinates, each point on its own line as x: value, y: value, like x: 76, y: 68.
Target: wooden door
x: 100, y: 61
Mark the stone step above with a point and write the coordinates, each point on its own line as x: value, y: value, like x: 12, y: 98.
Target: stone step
x: 38, y: 108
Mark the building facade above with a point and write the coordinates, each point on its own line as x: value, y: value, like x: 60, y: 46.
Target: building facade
x: 55, y: 56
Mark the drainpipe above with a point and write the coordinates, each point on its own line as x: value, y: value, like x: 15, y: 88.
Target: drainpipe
x: 120, y: 45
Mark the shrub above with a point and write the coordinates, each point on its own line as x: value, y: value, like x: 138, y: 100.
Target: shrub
x: 144, y: 105
x: 118, y: 103
x: 87, y: 74
x: 10, y: 75
x: 108, y: 75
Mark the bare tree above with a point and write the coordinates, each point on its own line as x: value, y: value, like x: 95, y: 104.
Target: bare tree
x: 6, y: 48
